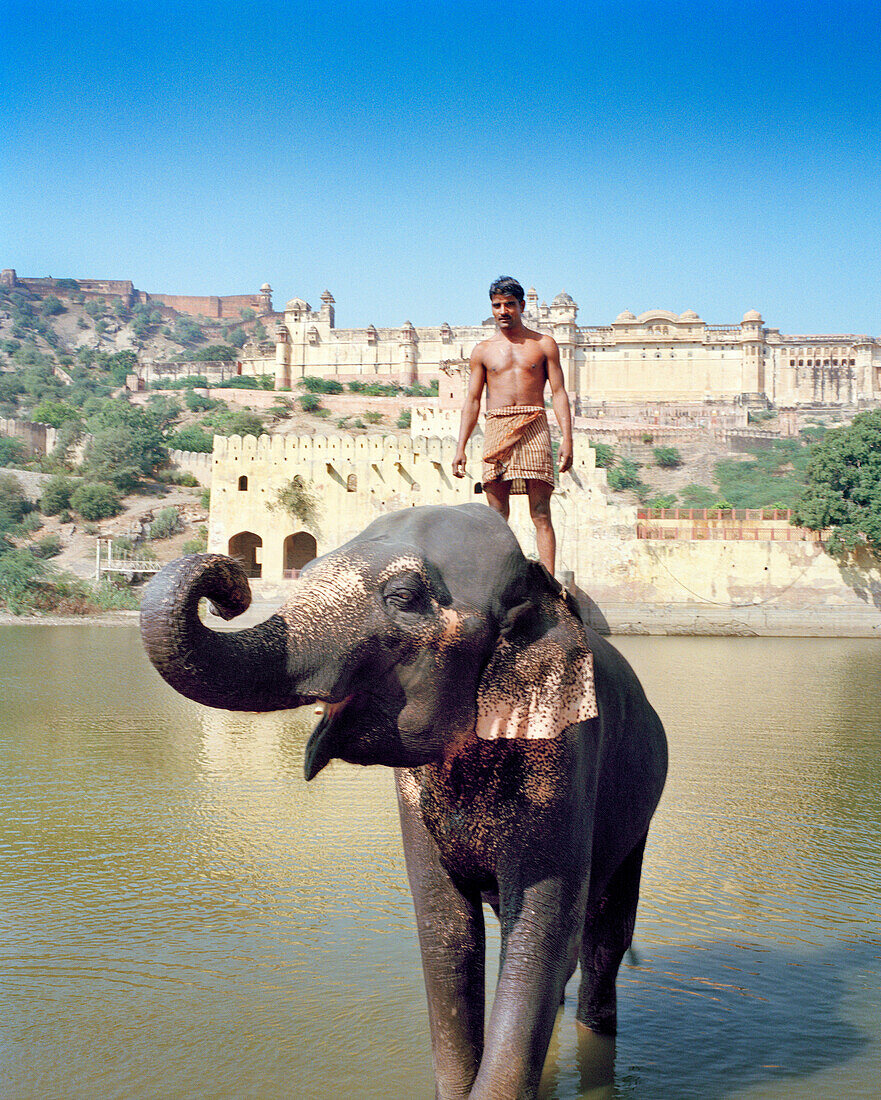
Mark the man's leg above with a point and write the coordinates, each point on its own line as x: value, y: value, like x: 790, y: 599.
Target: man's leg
x: 498, y: 495
x: 539, y: 493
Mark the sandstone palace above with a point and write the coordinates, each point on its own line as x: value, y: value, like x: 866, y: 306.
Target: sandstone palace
x: 658, y: 356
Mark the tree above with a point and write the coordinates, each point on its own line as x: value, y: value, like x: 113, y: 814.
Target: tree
x: 192, y: 438
x: 96, y: 501
x: 165, y: 409
x: 126, y: 445
x: 55, y: 497
x: 55, y: 413
x: 844, y: 486
x: 216, y: 353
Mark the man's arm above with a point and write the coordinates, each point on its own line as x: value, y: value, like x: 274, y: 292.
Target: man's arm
x: 560, y: 401
x: 470, y: 409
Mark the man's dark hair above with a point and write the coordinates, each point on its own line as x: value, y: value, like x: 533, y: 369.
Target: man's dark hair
x: 505, y: 284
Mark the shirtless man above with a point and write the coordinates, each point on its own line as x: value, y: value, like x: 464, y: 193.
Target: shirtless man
x: 514, y: 365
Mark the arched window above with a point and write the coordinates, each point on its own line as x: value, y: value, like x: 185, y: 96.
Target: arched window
x: 244, y: 546
x: 298, y: 549
x: 352, y: 483
x: 243, y: 484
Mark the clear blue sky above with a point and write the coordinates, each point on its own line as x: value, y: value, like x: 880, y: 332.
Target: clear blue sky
x: 717, y: 156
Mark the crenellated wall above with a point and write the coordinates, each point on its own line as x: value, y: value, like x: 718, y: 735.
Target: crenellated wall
x: 635, y: 584
x: 38, y: 438
x: 196, y: 463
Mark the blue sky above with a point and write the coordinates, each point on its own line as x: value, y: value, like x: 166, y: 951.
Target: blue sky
x: 717, y: 156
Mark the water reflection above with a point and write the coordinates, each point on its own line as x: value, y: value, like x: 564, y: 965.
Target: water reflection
x: 182, y: 915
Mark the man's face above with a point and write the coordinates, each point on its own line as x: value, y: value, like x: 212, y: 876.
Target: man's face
x: 507, y: 311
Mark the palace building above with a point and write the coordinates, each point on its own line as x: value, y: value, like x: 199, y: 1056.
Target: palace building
x: 658, y: 356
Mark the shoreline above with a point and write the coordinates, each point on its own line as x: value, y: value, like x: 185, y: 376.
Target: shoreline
x: 611, y: 620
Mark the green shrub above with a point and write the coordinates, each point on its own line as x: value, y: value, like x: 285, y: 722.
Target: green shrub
x: 668, y: 458
x: 19, y: 570
x: 299, y: 500
x: 52, y: 306
x: 12, y: 451
x: 664, y: 500
x: 698, y: 496
x: 198, y: 402
x: 14, y: 506
x: 309, y: 402
x: 47, y: 547
x: 239, y: 422
x: 404, y: 419
x: 625, y: 475
x: 376, y: 389
x: 205, y: 499
x: 198, y: 544
x: 181, y: 477
x: 166, y: 524
x: 30, y: 523
x: 605, y: 454
x: 55, y: 497
x: 320, y: 385
x: 96, y: 501
x: 648, y: 437
x: 248, y: 382
x: 192, y: 438
x: 373, y: 417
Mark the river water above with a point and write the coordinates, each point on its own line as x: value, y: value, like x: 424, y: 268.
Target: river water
x: 181, y: 915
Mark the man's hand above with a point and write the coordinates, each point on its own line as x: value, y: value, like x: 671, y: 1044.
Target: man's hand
x: 459, y: 464
x: 564, y: 457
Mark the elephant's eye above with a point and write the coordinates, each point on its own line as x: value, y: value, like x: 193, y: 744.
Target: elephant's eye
x: 404, y: 597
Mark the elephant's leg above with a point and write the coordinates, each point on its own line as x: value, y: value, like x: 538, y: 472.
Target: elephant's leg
x: 608, y: 932
x: 541, y: 931
x: 451, y: 939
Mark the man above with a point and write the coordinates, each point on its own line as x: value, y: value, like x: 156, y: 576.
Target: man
x: 514, y: 365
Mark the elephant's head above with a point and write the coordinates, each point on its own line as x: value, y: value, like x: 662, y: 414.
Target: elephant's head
x: 427, y: 628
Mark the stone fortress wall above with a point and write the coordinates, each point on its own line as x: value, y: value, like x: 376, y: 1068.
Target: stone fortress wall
x: 626, y: 583
x: 201, y: 305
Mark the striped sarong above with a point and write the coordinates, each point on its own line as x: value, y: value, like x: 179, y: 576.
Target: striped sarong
x: 517, y: 446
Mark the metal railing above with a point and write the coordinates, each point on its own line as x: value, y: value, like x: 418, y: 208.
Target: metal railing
x: 109, y: 561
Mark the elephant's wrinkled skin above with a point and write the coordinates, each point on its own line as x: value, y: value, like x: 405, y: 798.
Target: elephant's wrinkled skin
x: 439, y: 650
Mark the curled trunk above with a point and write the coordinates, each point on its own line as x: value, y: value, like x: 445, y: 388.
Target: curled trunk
x: 241, y: 670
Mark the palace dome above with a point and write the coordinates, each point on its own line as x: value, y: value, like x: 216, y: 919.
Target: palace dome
x: 752, y: 315
x: 625, y: 316
x: 266, y: 289
x: 297, y: 303
x: 563, y: 300
x: 689, y: 315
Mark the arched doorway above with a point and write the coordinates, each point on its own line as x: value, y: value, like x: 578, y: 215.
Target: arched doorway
x: 244, y: 546
x: 298, y: 549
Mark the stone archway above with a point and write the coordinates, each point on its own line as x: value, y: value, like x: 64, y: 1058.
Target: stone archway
x: 298, y: 550
x: 244, y: 547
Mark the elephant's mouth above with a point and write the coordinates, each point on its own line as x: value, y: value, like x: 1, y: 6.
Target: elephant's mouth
x: 325, y: 739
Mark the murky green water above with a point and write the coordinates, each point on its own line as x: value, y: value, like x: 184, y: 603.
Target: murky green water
x: 182, y: 916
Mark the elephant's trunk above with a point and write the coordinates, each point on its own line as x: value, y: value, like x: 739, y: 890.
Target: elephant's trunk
x: 243, y: 670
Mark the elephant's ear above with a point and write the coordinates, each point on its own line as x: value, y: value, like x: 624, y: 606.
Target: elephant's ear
x: 539, y: 679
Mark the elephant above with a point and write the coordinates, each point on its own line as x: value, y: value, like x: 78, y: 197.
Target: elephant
x: 528, y: 761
